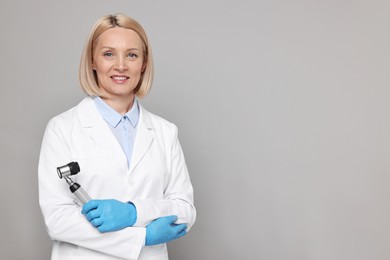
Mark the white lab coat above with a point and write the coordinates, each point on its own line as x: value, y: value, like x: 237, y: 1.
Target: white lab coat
x: 157, y: 183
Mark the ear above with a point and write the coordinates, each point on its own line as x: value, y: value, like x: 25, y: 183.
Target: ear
x: 143, y: 68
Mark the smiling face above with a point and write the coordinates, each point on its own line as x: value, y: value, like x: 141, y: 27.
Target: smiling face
x: 118, y: 62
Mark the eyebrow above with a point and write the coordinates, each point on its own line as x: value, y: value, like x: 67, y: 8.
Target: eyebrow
x: 111, y: 48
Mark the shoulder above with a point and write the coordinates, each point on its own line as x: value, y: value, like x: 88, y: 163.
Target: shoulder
x: 165, y: 131
x: 69, y: 117
x: 155, y: 121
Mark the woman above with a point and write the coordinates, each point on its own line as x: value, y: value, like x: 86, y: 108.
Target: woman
x: 131, y: 161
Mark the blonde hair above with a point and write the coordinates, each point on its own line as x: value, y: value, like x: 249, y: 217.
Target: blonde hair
x: 88, y: 77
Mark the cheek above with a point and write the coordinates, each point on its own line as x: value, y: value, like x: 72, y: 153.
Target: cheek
x: 101, y: 76
x: 100, y: 65
x: 137, y: 70
x: 101, y: 72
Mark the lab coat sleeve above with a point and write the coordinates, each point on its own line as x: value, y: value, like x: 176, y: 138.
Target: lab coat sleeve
x: 178, y: 192
x: 62, y: 215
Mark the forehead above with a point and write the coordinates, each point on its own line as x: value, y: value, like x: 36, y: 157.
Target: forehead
x: 118, y: 37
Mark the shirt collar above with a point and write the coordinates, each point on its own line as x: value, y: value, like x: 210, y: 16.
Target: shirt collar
x: 113, y: 117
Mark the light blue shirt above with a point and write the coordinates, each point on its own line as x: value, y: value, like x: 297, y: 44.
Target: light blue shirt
x: 123, y: 127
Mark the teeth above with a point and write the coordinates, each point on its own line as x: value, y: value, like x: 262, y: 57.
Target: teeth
x: 119, y: 78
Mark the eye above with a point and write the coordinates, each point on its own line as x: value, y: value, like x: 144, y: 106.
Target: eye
x: 132, y: 55
x: 108, y: 54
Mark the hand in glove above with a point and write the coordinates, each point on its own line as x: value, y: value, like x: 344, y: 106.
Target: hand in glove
x: 163, y: 230
x: 110, y: 215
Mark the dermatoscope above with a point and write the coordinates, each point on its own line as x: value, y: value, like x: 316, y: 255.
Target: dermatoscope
x: 65, y: 172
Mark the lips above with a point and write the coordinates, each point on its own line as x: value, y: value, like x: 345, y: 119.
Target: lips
x: 119, y: 78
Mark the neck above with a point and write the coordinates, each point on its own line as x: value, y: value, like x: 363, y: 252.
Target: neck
x: 120, y: 105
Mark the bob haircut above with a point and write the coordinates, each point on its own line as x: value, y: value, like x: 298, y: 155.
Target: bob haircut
x: 88, y: 77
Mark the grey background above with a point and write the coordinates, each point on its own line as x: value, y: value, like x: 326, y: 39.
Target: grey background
x: 283, y: 110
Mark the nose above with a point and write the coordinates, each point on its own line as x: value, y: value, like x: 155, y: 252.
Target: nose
x: 120, y: 64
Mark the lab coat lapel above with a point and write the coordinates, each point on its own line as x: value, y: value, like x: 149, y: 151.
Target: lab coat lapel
x: 143, y: 140
x: 100, y: 133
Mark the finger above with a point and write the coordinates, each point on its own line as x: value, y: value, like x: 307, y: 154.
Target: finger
x: 170, y: 219
x: 106, y: 227
x: 92, y: 214
x: 182, y: 233
x: 90, y: 205
x: 103, y: 229
x: 97, y: 222
x: 180, y: 228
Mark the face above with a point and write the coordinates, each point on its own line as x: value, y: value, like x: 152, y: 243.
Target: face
x: 118, y: 62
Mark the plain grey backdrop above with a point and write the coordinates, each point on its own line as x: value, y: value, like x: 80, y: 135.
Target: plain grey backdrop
x: 282, y: 107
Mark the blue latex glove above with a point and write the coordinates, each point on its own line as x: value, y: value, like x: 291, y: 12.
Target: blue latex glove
x: 110, y: 215
x: 163, y: 230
